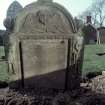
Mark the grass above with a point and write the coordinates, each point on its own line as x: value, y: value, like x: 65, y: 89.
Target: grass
x: 3, y: 71
x: 3, y: 67
x: 93, y: 62
x: 1, y: 51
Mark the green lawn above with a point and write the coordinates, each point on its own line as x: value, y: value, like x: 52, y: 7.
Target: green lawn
x: 92, y: 62
x: 3, y: 67
x: 1, y: 51
x: 3, y: 71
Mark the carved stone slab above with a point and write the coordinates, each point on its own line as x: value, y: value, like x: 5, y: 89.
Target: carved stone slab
x: 44, y: 62
x: 44, y: 48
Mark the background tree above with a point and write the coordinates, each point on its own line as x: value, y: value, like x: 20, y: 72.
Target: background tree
x: 78, y: 22
x: 98, y: 12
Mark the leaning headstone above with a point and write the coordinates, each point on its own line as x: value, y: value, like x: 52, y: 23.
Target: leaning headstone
x: 45, y: 49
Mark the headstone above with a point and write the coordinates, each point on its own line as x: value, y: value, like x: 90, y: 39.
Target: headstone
x: 14, y: 8
x: 44, y: 48
x: 45, y: 0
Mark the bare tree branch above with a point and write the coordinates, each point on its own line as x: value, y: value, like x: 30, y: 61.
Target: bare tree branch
x: 97, y: 11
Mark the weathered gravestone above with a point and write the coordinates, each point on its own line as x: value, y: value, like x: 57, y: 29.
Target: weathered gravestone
x: 44, y: 48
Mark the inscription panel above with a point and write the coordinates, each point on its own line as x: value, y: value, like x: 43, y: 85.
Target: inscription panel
x: 44, y: 61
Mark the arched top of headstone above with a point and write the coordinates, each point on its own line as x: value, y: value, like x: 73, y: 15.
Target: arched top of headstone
x: 47, y: 17
x: 45, y: 0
